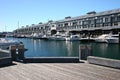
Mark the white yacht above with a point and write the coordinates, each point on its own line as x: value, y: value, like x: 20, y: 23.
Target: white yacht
x: 36, y: 35
x: 5, y: 43
x: 102, y: 38
x: 113, y: 39
x: 73, y: 38
x: 56, y: 37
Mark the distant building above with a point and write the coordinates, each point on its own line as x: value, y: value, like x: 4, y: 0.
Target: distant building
x: 91, y: 23
x: 3, y: 34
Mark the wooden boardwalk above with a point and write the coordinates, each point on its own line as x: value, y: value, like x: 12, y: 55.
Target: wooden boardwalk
x: 58, y: 71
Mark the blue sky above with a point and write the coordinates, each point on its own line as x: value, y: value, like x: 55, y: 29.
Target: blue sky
x: 29, y: 12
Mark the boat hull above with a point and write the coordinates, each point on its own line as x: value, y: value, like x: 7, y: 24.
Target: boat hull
x: 101, y: 40
x: 56, y: 38
x: 112, y: 40
x: 4, y: 43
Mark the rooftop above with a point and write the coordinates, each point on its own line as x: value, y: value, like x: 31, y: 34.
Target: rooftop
x: 93, y: 14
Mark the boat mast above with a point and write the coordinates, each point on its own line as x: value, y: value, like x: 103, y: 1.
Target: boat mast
x: 18, y: 24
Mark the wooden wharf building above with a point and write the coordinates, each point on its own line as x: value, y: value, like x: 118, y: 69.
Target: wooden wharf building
x: 91, y: 23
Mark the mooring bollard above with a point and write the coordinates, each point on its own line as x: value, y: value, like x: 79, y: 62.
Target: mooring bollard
x: 21, y: 51
x: 12, y: 50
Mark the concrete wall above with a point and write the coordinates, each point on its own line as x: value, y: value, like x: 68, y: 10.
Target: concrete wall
x: 104, y: 61
x: 5, y: 61
x: 52, y: 60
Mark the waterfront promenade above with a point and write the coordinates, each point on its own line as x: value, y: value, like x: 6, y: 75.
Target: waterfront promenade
x: 58, y: 71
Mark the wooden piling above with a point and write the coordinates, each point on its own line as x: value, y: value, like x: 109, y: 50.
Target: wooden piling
x: 12, y: 50
x: 85, y: 51
x: 21, y: 51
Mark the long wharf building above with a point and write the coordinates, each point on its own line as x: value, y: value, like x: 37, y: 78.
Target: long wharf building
x: 91, y: 23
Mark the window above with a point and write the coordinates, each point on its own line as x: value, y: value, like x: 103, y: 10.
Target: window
x: 84, y: 26
x: 100, y: 20
x: 106, y: 24
x: 118, y: 18
x: 79, y: 22
x: 97, y: 25
x: 61, y: 25
x: 115, y: 24
x: 66, y: 24
x: 114, y: 19
x: 92, y: 25
x: 97, y: 21
x: 58, y: 25
x: 106, y: 20
x: 74, y: 23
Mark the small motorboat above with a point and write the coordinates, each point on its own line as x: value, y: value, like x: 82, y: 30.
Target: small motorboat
x: 113, y: 39
x: 102, y: 38
x: 5, y: 43
x: 56, y: 37
x: 73, y: 38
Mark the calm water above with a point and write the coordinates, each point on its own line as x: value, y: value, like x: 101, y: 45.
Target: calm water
x: 44, y: 48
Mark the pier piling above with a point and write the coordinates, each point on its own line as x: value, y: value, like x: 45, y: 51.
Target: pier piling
x: 17, y: 52
x: 12, y: 50
x: 85, y: 51
x: 21, y: 52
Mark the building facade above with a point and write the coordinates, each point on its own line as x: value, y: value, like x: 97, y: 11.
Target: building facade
x: 91, y: 23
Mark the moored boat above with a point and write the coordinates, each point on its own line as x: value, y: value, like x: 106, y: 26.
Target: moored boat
x: 5, y: 43
x: 56, y: 37
x: 73, y: 38
x: 102, y: 38
x: 36, y: 35
x: 113, y: 39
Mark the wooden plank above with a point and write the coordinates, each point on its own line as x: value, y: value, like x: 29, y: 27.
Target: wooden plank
x: 58, y: 71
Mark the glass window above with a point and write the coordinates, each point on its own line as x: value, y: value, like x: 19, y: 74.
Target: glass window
x: 66, y: 24
x: 115, y: 24
x: 118, y: 18
x: 114, y: 19
x: 106, y: 20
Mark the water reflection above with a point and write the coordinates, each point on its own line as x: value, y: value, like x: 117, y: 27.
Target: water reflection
x: 35, y: 44
x: 100, y: 48
x: 69, y: 47
x: 106, y: 50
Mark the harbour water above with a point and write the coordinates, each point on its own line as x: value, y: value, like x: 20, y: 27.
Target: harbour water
x: 45, y: 48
